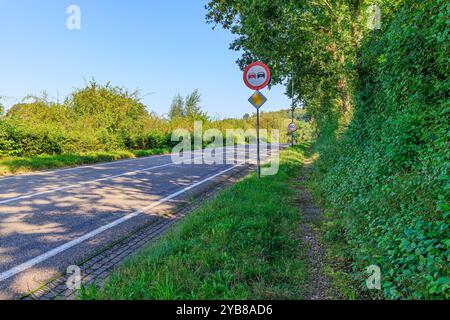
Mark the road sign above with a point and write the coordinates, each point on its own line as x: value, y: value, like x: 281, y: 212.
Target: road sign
x: 257, y: 99
x: 292, y: 127
x: 257, y: 76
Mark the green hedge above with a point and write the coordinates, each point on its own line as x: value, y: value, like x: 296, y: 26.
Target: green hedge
x: 386, y: 178
x: 17, y: 141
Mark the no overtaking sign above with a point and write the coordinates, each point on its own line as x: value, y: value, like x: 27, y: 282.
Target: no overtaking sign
x: 257, y: 76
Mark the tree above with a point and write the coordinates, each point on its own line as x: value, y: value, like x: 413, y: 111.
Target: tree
x: 192, y: 107
x: 188, y: 108
x: 111, y: 108
x: 2, y: 107
x: 312, y: 43
x: 177, y: 107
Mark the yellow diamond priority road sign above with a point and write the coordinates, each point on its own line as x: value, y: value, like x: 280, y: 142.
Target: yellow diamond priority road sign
x: 257, y: 99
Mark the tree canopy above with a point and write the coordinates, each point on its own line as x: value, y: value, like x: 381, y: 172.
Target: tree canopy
x: 188, y: 107
x: 313, y: 44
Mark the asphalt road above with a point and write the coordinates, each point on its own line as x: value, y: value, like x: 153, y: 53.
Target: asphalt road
x: 50, y: 220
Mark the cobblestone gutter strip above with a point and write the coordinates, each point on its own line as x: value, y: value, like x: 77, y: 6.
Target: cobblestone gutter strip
x: 98, y: 267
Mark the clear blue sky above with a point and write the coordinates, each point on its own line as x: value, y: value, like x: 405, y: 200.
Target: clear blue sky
x: 164, y: 47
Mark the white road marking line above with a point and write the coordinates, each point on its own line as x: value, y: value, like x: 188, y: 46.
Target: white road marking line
x: 96, y: 165
x: 87, y: 182
x: 27, y: 196
x: 32, y: 262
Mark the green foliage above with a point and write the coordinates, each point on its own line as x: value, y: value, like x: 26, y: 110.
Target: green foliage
x: 192, y: 108
x: 311, y: 45
x: 188, y: 108
x: 105, y: 118
x: 244, y: 244
x: 118, y: 115
x: 91, y: 119
x: 9, y: 140
x: 386, y: 177
x: 177, y: 107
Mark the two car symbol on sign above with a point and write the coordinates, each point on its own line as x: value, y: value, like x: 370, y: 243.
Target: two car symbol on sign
x: 257, y: 75
x: 260, y: 75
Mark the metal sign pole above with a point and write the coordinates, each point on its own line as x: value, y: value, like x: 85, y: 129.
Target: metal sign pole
x: 292, y: 132
x: 258, y: 160
x: 292, y: 112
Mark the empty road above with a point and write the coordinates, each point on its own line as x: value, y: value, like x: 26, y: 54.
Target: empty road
x: 50, y: 220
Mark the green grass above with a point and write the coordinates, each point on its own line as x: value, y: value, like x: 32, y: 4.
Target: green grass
x: 338, y: 265
x: 10, y: 165
x: 244, y: 244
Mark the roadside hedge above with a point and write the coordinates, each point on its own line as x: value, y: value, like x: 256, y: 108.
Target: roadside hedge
x: 105, y: 118
x: 386, y: 178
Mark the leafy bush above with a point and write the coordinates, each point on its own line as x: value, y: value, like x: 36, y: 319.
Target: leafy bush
x: 386, y: 178
x: 9, y: 140
x: 158, y: 140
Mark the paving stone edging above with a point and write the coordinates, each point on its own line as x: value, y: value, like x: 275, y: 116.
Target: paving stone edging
x: 97, y: 268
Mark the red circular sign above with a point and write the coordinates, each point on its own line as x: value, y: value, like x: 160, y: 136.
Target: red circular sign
x: 257, y: 75
x: 293, y: 127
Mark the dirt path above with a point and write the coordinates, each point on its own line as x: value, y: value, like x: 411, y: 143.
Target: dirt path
x: 319, y: 286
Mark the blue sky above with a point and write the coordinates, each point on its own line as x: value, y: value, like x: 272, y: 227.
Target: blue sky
x: 159, y: 47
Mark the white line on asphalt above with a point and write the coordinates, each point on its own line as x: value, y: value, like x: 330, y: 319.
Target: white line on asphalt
x: 87, y: 182
x: 32, y: 262
x: 27, y: 196
x: 101, y: 164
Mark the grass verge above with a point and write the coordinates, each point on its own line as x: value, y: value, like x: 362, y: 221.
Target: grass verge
x: 338, y: 265
x: 244, y: 244
x: 10, y: 165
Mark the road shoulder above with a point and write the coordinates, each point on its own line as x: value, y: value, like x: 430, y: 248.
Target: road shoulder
x: 96, y: 268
